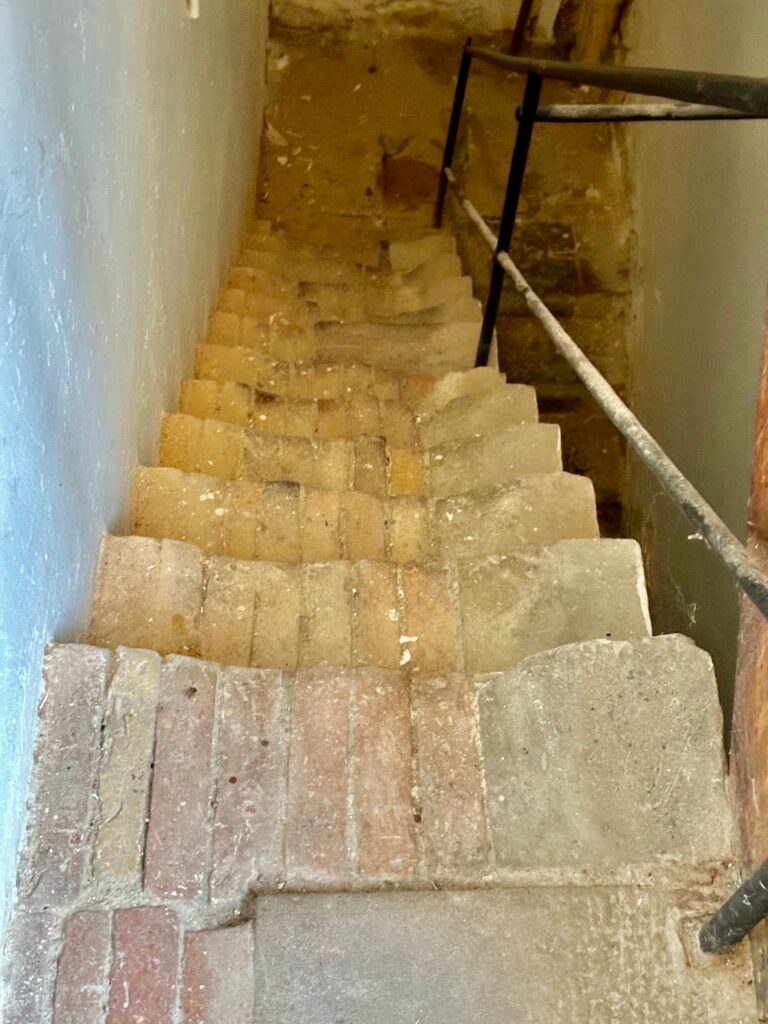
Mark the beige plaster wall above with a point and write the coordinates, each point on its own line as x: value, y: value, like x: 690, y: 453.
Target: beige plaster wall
x: 701, y: 220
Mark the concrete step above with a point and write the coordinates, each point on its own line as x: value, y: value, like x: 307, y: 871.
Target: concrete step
x: 476, y: 615
x: 424, y: 392
x: 606, y: 753
x: 286, y: 522
x: 366, y: 464
x: 272, y: 386
x: 407, y: 348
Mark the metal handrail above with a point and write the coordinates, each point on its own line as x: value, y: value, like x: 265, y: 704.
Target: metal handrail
x: 736, y: 92
x: 705, y: 96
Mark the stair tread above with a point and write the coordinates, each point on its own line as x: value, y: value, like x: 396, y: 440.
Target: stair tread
x: 478, y: 615
x: 415, y: 348
x: 278, y: 521
x: 368, y: 464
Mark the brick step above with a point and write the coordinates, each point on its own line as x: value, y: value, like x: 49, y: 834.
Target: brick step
x: 213, y: 781
x: 366, y: 464
x: 407, y: 348
x: 422, y: 392
x: 452, y: 302
x: 286, y: 522
x: 474, y: 615
x: 360, y: 415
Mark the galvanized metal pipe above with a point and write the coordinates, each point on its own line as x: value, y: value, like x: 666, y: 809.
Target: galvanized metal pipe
x: 589, y: 113
x: 713, y: 530
x: 736, y: 92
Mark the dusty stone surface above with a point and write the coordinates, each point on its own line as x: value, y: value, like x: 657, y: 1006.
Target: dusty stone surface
x: 606, y: 752
x: 535, y: 955
x: 515, y: 606
x: 126, y: 766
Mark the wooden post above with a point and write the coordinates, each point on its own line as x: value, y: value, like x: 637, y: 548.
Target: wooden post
x: 749, y: 748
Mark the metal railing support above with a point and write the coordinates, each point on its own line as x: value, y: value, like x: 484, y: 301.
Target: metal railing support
x: 738, y: 915
x: 518, y: 36
x: 453, y: 130
x: 515, y: 180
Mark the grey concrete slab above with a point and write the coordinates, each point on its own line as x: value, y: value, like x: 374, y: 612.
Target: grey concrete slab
x: 606, y: 753
x: 526, y: 956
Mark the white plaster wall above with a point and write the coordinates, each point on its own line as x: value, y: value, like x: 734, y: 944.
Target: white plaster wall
x: 128, y: 146
x: 701, y: 216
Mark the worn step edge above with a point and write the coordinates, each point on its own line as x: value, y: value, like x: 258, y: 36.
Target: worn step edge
x: 232, y: 452
x: 473, y: 615
x: 286, y: 522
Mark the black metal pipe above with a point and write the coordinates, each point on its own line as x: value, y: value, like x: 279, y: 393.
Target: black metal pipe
x: 738, y: 915
x: 518, y: 36
x: 453, y: 129
x: 590, y: 113
x: 509, y: 212
x: 736, y: 92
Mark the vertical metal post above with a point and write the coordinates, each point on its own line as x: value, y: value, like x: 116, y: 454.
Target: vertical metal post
x: 521, y: 24
x: 509, y: 212
x: 453, y: 130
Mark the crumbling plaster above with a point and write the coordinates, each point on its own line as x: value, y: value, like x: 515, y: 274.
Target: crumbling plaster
x: 128, y: 159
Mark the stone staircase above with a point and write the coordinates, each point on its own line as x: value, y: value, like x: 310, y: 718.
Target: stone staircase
x: 371, y: 725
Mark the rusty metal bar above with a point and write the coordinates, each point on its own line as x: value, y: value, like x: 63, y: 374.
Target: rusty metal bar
x: 518, y: 36
x: 735, y: 92
x: 462, y: 78
x: 738, y: 915
x: 590, y: 113
x: 514, y: 189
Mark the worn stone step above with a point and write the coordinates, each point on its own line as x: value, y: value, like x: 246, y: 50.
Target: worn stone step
x: 345, y: 273
x: 357, y: 234
x: 366, y: 464
x: 409, y: 307
x: 421, y: 397
x: 398, y: 254
x: 476, y: 615
x: 538, y: 956
x: 408, y: 348
x: 286, y: 522
x: 360, y: 414
x: 606, y: 753
x: 424, y: 392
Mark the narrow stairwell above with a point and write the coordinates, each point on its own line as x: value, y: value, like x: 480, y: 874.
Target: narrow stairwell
x: 371, y: 725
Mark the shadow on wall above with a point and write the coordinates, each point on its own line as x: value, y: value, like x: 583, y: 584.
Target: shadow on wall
x: 122, y: 188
